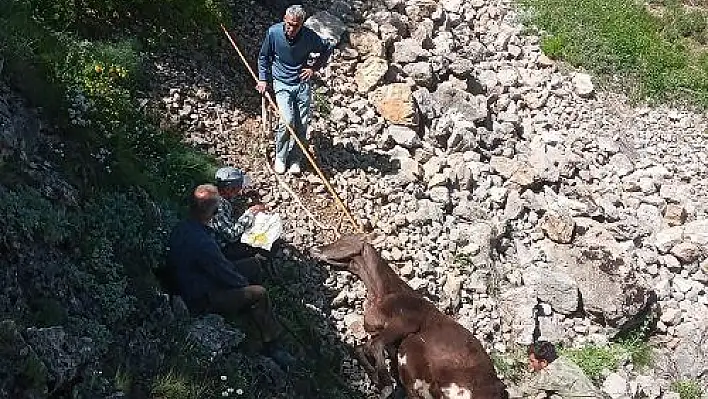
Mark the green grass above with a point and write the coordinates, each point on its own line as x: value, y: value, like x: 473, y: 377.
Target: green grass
x: 687, y: 389
x: 175, y: 386
x: 593, y: 359
x: 661, y: 54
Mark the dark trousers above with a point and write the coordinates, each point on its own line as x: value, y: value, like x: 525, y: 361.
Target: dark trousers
x: 250, y: 268
x: 248, y: 261
x: 253, y: 300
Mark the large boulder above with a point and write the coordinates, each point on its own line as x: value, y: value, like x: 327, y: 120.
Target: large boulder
x: 328, y: 26
x: 396, y: 104
x: 556, y: 288
x: 611, y: 290
x: 369, y: 73
x: 689, y: 359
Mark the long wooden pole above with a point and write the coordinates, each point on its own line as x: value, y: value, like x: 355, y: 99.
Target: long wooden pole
x: 304, y: 149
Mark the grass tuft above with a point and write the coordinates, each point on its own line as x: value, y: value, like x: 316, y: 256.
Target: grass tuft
x: 687, y: 389
x: 661, y: 52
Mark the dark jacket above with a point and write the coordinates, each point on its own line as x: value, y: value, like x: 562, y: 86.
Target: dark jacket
x: 200, y: 267
x: 282, y: 60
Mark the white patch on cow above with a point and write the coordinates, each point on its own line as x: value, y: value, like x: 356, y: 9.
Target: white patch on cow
x: 454, y: 391
x: 423, y: 388
x: 401, y: 359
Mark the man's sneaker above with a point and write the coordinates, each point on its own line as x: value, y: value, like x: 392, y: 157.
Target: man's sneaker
x: 295, y: 168
x: 279, y: 166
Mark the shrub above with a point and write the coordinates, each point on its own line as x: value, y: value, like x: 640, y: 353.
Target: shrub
x: 25, y: 215
x: 511, y: 366
x: 593, y: 359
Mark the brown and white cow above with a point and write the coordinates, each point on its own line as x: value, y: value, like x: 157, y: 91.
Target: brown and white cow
x: 436, y: 357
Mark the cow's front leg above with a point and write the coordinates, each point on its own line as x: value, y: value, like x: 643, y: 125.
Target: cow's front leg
x: 361, y: 354
x: 388, y: 338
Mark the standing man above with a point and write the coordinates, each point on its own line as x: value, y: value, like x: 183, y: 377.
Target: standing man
x: 283, y: 61
x: 556, y: 375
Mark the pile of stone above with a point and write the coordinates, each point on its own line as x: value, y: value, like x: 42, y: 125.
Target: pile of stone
x: 507, y: 181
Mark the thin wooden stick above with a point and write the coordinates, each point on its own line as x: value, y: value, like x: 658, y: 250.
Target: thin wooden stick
x: 264, y: 116
x: 304, y: 149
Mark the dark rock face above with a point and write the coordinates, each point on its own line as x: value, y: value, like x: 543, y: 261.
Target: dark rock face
x: 22, y: 372
x: 65, y: 356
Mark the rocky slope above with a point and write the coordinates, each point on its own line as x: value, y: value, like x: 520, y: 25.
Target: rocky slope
x: 496, y: 177
x: 500, y: 178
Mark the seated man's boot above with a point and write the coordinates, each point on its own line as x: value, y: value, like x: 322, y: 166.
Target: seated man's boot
x: 279, y: 355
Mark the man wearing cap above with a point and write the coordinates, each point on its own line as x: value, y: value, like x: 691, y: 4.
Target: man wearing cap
x: 208, y: 282
x: 228, y: 226
x: 283, y: 62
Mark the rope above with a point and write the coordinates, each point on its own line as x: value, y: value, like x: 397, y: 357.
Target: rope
x: 305, y: 151
x: 298, y: 200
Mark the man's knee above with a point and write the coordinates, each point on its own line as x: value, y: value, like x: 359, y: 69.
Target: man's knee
x: 257, y: 292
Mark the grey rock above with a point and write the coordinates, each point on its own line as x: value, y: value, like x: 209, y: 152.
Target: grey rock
x: 404, y: 136
x: 421, y: 73
x: 328, y: 26
x: 553, y: 287
x: 407, y: 51
x: 213, y: 337
x: 470, y: 107
x: 369, y: 73
x: 615, y: 385
x: 582, y: 83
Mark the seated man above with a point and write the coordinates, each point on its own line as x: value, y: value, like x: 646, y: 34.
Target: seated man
x: 555, y: 375
x: 208, y: 282
x: 228, y: 225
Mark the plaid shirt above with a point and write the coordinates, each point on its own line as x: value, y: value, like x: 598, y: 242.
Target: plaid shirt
x: 227, y: 228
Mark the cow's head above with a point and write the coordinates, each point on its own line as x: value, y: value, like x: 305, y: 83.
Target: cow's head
x: 343, y: 253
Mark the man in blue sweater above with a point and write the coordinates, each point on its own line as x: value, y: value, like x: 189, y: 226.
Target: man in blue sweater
x: 209, y: 283
x: 283, y: 60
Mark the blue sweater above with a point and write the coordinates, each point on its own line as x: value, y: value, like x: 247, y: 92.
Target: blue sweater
x: 282, y: 60
x: 200, y: 266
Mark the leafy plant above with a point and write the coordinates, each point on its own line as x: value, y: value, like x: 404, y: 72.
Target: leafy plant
x: 593, y: 359
x: 322, y: 105
x: 123, y: 380
x: 510, y: 366
x: 27, y: 216
x: 687, y: 389
x: 554, y: 45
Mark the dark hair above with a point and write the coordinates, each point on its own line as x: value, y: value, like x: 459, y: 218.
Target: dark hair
x: 543, y: 350
x: 204, y: 202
